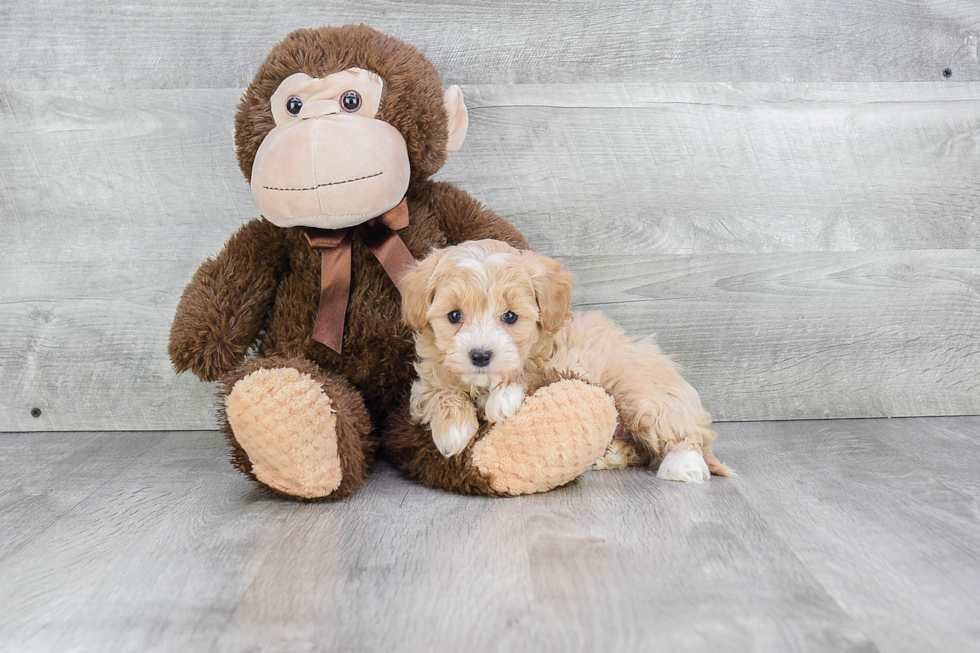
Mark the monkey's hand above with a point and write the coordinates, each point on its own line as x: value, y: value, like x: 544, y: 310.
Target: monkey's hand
x: 225, y: 305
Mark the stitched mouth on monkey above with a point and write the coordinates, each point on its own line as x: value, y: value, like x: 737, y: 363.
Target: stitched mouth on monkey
x: 329, y: 183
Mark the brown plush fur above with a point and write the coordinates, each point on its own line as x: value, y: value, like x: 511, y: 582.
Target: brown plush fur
x: 272, y: 276
x: 412, y: 447
x: 262, y: 290
x: 225, y: 305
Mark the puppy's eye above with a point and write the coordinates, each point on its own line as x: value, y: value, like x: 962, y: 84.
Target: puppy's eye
x: 509, y: 317
x: 455, y: 317
x: 293, y: 105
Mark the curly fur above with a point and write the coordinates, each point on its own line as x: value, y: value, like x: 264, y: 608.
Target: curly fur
x: 482, y: 281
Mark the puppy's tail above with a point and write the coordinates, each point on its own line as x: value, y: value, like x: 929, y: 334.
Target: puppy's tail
x: 715, y: 466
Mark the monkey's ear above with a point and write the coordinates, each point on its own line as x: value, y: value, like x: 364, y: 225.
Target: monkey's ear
x: 459, y: 119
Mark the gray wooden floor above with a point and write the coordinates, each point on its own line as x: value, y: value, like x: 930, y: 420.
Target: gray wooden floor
x: 836, y: 536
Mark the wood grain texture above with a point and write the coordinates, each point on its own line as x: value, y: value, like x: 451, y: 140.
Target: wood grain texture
x: 679, y: 168
x: 834, y: 537
x: 812, y: 335
x: 815, y: 335
x: 580, y: 169
x: 628, y: 563
x: 949, y: 447
x: 853, y: 484
x: 180, y: 535
x: 191, y: 44
x: 804, y: 250
x: 36, y: 496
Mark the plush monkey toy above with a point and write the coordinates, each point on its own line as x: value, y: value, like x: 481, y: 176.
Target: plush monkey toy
x: 299, y: 315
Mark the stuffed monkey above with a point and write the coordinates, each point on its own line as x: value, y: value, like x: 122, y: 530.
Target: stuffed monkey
x: 298, y: 316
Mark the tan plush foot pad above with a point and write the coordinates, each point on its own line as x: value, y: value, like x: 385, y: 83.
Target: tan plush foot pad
x: 287, y: 426
x: 558, y: 433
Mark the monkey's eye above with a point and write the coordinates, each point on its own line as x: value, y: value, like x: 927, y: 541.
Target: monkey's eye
x: 455, y: 317
x: 351, y: 101
x: 509, y: 317
x: 293, y: 105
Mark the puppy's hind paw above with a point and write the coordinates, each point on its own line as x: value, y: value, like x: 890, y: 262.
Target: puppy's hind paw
x: 684, y: 466
x: 503, y: 403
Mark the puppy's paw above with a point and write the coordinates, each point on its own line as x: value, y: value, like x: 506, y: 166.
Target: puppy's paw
x: 503, y: 403
x: 685, y: 466
x: 452, y: 437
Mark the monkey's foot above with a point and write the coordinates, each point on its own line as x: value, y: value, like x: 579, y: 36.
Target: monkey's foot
x: 558, y: 433
x: 293, y: 437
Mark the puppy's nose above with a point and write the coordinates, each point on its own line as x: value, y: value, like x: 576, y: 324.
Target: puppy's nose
x: 481, y: 357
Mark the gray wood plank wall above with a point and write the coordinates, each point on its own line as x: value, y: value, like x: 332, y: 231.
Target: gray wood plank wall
x: 785, y: 192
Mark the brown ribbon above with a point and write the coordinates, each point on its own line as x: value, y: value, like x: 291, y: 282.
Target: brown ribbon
x: 335, y: 256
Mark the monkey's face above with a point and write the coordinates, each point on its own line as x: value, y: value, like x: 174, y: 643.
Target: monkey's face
x: 329, y: 162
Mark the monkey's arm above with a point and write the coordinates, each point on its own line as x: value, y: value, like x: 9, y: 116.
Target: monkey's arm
x: 225, y: 305
x: 463, y: 218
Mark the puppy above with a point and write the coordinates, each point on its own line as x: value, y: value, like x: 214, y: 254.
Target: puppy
x: 493, y: 324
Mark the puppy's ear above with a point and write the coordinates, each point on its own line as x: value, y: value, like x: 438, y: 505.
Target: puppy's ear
x: 552, y: 288
x: 417, y: 289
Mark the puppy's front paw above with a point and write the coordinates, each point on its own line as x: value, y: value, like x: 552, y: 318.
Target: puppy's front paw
x: 685, y: 466
x: 452, y: 437
x: 503, y: 403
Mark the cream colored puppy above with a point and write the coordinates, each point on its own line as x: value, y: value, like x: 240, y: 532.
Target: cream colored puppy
x: 493, y: 323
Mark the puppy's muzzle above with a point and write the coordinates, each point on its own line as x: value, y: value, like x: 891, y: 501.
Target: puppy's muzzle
x: 480, y: 357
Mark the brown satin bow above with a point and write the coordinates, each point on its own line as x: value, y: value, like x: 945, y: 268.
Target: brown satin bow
x: 335, y: 256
